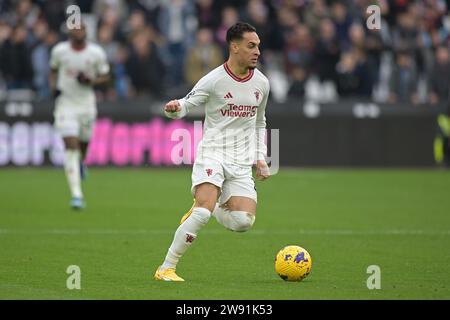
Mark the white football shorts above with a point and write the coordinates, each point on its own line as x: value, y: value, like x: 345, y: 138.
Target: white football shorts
x: 71, y: 122
x: 233, y: 180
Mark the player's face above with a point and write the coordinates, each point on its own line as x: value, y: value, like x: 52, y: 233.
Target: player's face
x: 78, y: 34
x: 248, y: 50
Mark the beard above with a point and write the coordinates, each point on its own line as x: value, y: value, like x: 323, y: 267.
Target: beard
x: 79, y: 41
x: 251, y: 67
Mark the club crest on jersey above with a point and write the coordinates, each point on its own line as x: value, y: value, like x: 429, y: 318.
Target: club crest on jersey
x: 256, y: 95
x: 209, y: 172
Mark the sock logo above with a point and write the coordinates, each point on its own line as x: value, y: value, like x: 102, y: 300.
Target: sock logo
x: 189, y: 238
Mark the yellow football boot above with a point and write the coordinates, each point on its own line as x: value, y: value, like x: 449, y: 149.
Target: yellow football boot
x: 187, y: 214
x: 167, y: 275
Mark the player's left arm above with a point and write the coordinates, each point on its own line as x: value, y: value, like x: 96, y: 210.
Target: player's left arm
x: 262, y: 169
x: 101, y: 70
x: 98, y: 80
x: 101, y: 79
x: 55, y: 63
x: 53, y: 79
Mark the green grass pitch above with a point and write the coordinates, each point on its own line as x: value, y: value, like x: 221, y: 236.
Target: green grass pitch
x: 347, y: 220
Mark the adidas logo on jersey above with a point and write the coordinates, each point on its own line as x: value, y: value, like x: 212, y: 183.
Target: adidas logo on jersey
x: 228, y: 96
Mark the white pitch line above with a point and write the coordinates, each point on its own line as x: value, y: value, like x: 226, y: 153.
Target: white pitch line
x: 256, y: 232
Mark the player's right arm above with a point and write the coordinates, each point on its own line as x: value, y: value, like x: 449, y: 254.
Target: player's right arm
x: 199, y: 95
x: 53, y: 78
x: 173, y: 109
x: 54, y: 65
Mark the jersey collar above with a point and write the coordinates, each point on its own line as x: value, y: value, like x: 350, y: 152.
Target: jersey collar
x: 78, y: 49
x: 235, y: 77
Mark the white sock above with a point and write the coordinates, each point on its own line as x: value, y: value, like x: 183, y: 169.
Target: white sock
x: 239, y: 221
x: 185, y: 235
x: 219, y: 214
x: 72, y: 169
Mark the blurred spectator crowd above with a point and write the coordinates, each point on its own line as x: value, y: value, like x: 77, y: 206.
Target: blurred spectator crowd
x: 314, y: 49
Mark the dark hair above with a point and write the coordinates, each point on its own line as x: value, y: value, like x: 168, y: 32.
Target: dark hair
x: 236, y: 31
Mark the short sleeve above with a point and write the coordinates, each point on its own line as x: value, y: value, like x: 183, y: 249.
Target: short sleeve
x: 55, y: 59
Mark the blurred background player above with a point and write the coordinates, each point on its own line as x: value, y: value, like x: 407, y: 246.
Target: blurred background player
x: 76, y: 66
x: 234, y: 96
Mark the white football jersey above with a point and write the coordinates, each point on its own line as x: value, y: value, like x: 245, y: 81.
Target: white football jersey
x: 69, y: 62
x: 235, y: 121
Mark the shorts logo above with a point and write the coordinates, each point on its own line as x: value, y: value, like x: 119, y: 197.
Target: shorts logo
x: 189, y: 238
x: 256, y: 95
x: 209, y: 172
